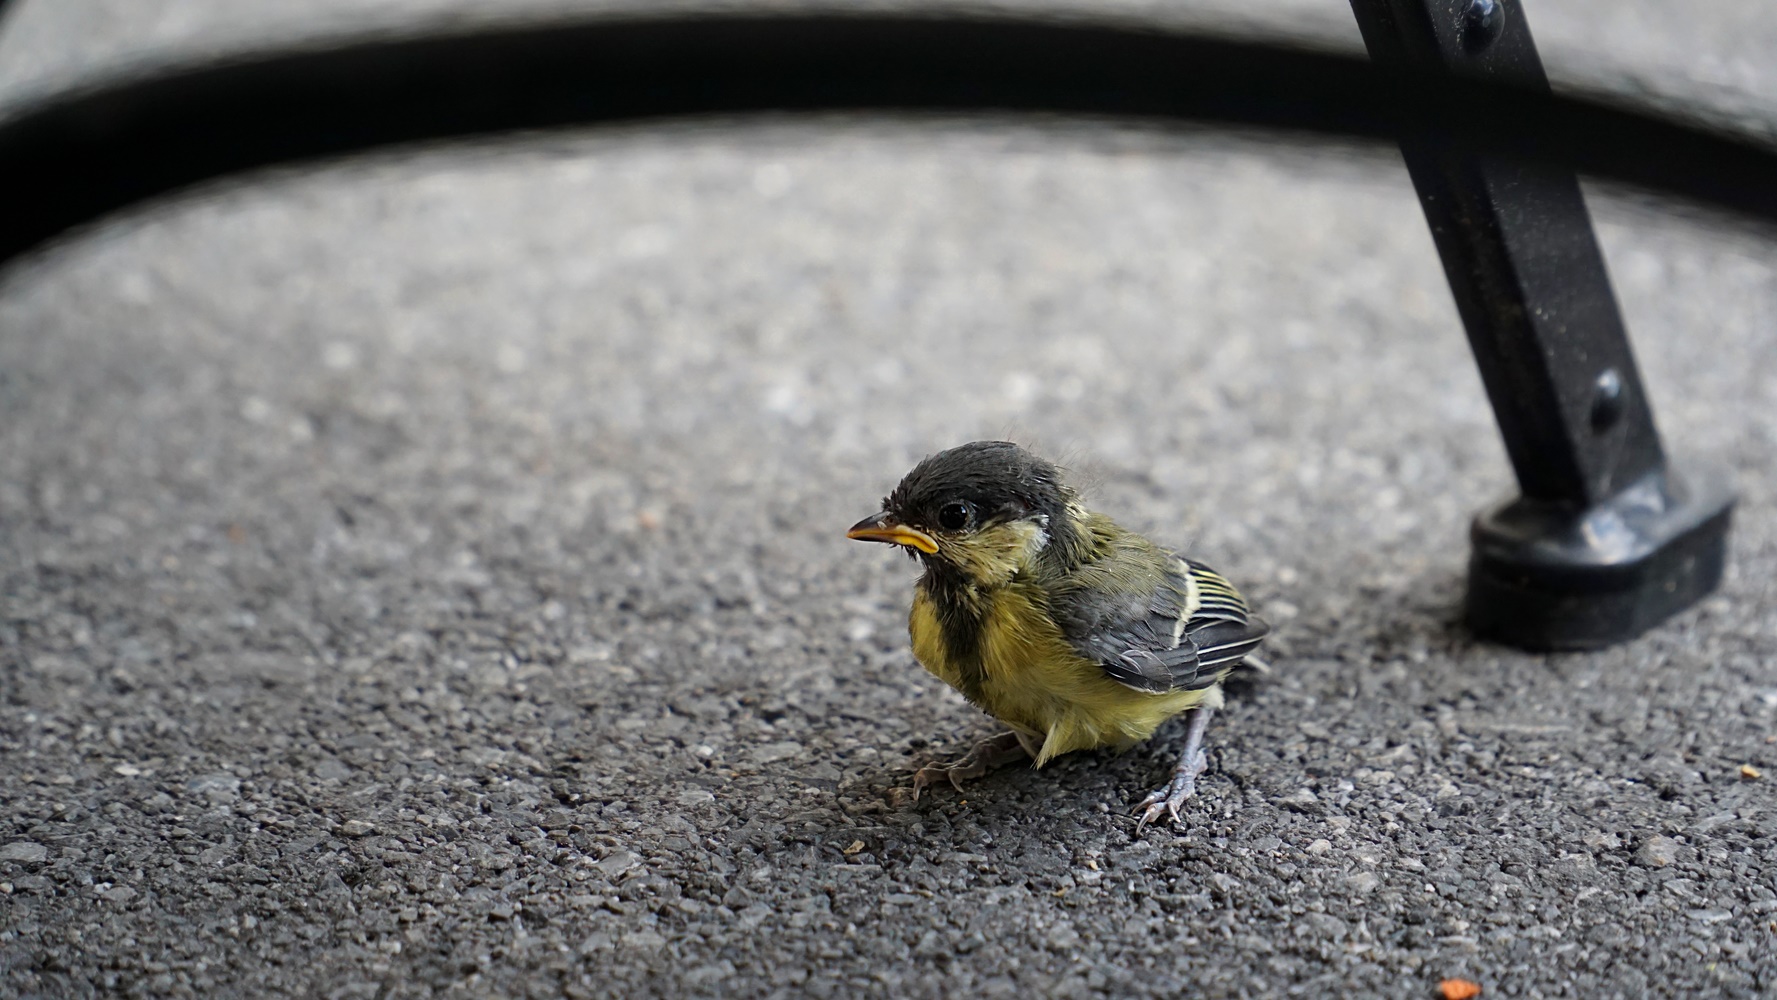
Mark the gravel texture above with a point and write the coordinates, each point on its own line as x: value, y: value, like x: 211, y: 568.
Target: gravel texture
x: 424, y: 575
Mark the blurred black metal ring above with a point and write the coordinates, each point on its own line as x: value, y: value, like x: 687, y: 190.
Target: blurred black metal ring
x: 72, y: 159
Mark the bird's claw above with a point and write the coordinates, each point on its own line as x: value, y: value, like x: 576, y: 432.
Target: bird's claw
x: 956, y: 773
x: 1167, y: 800
x: 986, y: 756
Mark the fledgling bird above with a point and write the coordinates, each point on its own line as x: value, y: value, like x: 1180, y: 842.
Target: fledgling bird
x: 1070, y: 629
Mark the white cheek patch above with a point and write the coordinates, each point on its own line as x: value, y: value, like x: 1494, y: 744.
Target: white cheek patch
x: 1030, y: 538
x: 1004, y: 550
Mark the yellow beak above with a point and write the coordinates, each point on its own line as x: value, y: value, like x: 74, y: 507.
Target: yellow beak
x: 884, y: 528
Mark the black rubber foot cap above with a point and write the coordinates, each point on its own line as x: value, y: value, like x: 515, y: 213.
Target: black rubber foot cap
x: 1546, y: 577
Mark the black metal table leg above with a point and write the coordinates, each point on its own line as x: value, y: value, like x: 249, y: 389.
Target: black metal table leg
x: 1606, y: 540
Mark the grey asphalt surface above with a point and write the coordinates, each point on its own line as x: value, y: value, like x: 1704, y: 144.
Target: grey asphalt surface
x: 423, y: 575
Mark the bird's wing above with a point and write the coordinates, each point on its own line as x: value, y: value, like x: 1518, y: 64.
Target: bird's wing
x: 1182, y: 633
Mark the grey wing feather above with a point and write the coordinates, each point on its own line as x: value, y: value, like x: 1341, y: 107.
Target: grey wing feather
x: 1186, y: 635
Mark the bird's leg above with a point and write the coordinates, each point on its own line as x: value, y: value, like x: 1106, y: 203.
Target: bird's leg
x: 988, y: 755
x: 1184, y: 779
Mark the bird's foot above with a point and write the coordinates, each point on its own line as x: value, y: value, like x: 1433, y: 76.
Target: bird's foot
x: 1192, y: 762
x: 988, y: 755
x: 1167, y: 799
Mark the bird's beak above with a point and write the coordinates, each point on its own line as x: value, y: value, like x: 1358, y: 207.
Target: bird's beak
x: 884, y: 528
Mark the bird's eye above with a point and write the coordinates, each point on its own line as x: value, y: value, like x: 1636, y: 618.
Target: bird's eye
x: 953, y: 516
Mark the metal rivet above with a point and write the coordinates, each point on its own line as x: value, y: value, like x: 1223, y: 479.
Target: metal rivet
x: 1481, y: 23
x: 1607, y: 400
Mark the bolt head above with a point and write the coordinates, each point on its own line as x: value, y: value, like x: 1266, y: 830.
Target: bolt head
x: 1607, y: 400
x: 1482, y: 22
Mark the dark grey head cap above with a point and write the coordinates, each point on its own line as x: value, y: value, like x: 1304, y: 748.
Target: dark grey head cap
x: 998, y: 480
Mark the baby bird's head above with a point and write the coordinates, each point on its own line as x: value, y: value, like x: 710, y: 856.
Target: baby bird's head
x: 981, y: 511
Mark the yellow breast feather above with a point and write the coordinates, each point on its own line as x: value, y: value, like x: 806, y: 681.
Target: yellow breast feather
x: 1025, y: 674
